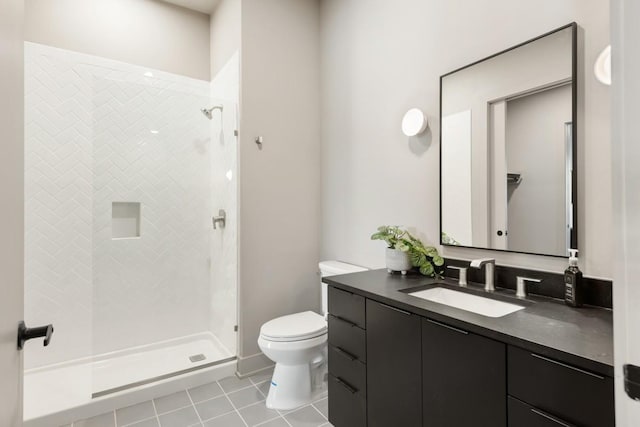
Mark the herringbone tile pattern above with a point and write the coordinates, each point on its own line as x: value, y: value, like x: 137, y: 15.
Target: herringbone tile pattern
x: 88, y: 124
x: 160, y: 282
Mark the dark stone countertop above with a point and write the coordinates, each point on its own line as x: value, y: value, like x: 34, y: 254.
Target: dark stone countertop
x: 582, y: 337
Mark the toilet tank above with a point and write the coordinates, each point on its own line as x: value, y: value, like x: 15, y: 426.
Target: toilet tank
x: 333, y: 268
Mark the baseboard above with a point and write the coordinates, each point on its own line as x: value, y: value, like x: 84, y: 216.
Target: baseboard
x: 251, y: 365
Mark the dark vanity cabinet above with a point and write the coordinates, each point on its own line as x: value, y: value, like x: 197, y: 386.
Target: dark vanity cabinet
x: 394, y: 384
x: 390, y: 367
x: 463, y: 378
x: 544, y: 391
x: 347, y: 359
x: 524, y: 415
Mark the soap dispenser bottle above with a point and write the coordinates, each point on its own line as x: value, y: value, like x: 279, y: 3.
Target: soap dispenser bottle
x: 573, y: 281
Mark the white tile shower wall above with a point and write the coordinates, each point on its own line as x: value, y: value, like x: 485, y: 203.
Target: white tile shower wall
x: 88, y: 143
x: 225, y: 89
x: 151, y: 145
x: 58, y: 204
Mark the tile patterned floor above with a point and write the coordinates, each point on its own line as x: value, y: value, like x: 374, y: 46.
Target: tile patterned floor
x: 230, y: 402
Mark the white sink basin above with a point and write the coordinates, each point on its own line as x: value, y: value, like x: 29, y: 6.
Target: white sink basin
x: 475, y: 304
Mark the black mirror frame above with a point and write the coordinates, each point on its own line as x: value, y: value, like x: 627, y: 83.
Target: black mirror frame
x: 574, y: 136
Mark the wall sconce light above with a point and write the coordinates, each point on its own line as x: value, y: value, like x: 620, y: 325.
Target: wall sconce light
x: 602, y: 67
x: 414, y: 122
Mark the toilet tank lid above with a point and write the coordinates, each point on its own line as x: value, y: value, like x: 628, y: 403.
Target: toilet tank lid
x: 329, y: 268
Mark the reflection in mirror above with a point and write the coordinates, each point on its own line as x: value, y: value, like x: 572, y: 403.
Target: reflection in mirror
x: 508, y: 149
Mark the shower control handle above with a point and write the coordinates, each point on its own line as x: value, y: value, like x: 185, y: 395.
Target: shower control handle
x: 221, y: 218
x: 25, y: 334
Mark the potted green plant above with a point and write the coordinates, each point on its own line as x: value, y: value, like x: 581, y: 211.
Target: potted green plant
x: 405, y: 251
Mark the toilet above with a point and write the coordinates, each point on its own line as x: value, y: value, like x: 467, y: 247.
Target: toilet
x: 297, y: 344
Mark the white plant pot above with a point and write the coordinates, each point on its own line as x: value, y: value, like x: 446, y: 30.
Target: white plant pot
x: 398, y: 261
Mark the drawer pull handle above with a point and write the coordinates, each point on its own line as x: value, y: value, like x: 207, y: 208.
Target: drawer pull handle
x: 347, y: 386
x: 346, y: 354
x: 448, y: 327
x: 395, y: 309
x: 550, y: 418
x: 346, y: 321
x: 546, y: 359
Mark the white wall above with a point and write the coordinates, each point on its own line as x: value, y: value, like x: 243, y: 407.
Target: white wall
x: 58, y: 201
x: 380, y: 58
x: 149, y: 33
x: 12, y: 217
x: 535, y: 148
x: 224, y: 33
x: 456, y: 157
x: 280, y: 184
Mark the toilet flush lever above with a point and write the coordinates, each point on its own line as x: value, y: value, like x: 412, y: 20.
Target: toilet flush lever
x: 220, y: 219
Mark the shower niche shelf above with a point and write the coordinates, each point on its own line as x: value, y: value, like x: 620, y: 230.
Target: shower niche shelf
x: 125, y: 220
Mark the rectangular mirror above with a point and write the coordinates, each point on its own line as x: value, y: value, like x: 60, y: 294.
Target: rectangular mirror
x: 508, y: 149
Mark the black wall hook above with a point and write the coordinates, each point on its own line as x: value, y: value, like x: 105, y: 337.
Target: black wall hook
x: 25, y: 334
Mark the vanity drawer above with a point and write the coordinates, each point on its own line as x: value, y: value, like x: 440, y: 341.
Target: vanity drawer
x: 571, y: 393
x: 523, y: 415
x: 347, y: 337
x: 347, y: 367
x: 347, y: 306
x: 347, y: 406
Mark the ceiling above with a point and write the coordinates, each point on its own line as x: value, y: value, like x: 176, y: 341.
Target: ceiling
x: 205, y: 6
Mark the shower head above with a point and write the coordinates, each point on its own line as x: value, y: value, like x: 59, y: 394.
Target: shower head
x: 209, y: 111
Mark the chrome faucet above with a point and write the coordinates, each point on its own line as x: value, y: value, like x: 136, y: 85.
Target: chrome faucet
x: 462, y: 275
x: 489, y: 272
x: 521, y: 285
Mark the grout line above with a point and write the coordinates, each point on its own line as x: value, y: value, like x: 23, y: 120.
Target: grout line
x: 245, y: 388
x: 220, y: 415
x: 265, y: 395
x: 240, y: 389
x: 181, y: 407
x: 139, y: 421
x: 189, y: 395
x: 284, y: 412
x: 193, y: 405
x: 155, y: 411
x: 318, y: 410
x: 232, y: 405
x: 287, y: 421
x: 271, y: 419
x: 253, y: 403
x: 226, y: 394
x: 265, y: 380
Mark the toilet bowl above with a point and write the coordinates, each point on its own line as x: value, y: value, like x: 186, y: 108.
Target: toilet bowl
x: 297, y: 344
x: 294, y: 342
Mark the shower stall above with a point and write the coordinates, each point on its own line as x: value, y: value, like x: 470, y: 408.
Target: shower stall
x: 123, y: 176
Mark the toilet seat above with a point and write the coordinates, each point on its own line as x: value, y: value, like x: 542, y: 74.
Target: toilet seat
x: 294, y: 327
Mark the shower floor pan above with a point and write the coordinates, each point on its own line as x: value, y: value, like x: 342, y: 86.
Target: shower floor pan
x: 58, y: 394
